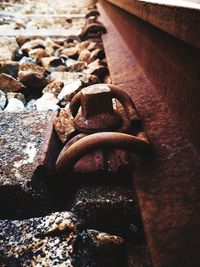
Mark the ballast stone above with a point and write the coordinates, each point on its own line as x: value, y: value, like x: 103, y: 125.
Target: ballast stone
x: 10, y: 84
x: 3, y: 100
x: 14, y: 105
x: 43, y: 241
x: 56, y: 240
x: 92, y: 204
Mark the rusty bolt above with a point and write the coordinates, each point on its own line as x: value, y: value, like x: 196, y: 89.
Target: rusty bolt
x: 91, y: 106
x: 97, y: 112
x: 96, y: 100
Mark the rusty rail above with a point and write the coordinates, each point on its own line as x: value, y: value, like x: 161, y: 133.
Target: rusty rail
x: 182, y: 20
x: 161, y: 73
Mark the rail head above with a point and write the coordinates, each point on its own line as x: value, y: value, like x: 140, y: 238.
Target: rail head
x: 179, y: 18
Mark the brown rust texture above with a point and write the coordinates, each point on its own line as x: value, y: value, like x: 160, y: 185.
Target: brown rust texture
x: 162, y: 76
x: 179, y: 21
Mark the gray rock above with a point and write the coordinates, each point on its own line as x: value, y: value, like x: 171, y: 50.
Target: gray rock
x: 70, y: 61
x: 19, y: 25
x: 47, y: 102
x: 69, y: 77
x: 3, y: 100
x: 17, y: 55
x: 43, y: 241
x: 89, y: 45
x: 83, y: 45
x: 27, y: 59
x: 18, y: 96
x: 14, y: 105
x: 55, y: 240
x: 109, y: 250
x: 54, y: 87
x: 74, y: 65
x: 31, y: 105
x: 51, y: 46
x: 36, y: 43
x: 38, y: 53
x: 99, y: 249
x: 97, y: 54
x: 89, y: 79
x: 93, y: 45
x: 104, y: 241
x: 7, y: 46
x: 65, y: 77
x: 32, y: 75
x: 92, y: 204
x: 60, y: 68
x: 69, y: 90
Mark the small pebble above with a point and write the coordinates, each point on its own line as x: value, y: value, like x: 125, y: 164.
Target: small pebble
x: 48, y: 62
x: 69, y: 90
x: 47, y: 102
x: 10, y: 67
x: 29, y: 66
x: 14, y: 105
x: 22, y: 40
x: 3, y: 100
x: 10, y: 84
x: 27, y: 59
x: 37, y: 43
x: 54, y: 87
x: 18, y: 96
x: 96, y: 68
x: 31, y: 105
x: 71, y: 52
x: 74, y: 65
x: 32, y: 79
x: 38, y: 53
x: 63, y: 124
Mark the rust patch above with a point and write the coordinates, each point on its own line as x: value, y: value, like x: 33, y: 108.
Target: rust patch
x: 155, y: 69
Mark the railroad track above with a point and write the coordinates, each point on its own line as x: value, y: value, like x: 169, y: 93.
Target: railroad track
x: 71, y: 196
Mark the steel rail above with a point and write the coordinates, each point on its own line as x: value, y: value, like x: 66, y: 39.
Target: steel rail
x: 180, y: 20
x: 161, y: 73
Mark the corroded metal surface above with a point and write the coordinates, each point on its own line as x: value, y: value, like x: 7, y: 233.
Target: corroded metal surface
x: 168, y: 190
x: 96, y: 115
x: 179, y: 18
x: 91, y: 142
x: 97, y: 112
